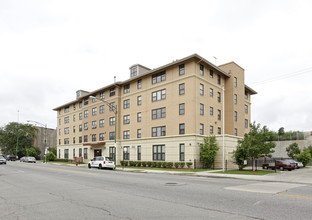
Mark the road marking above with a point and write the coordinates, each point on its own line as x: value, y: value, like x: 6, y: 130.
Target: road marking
x: 64, y: 170
x: 294, y: 196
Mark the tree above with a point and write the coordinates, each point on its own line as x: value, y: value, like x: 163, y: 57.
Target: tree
x: 310, y: 149
x: 293, y: 150
x: 208, y: 151
x: 15, y: 138
x: 240, y: 155
x: 281, y: 131
x: 304, y: 156
x: 255, y: 144
x: 53, y: 150
x: 50, y: 156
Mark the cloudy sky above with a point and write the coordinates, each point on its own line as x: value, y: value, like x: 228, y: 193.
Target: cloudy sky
x: 49, y: 49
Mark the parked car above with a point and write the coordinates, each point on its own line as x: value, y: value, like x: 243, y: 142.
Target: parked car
x: 280, y: 164
x: 28, y: 159
x: 10, y: 157
x: 297, y: 163
x: 2, y: 160
x: 102, y: 162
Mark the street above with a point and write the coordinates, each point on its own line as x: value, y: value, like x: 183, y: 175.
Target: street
x: 47, y: 191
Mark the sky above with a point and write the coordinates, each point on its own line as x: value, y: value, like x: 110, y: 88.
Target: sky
x: 49, y: 49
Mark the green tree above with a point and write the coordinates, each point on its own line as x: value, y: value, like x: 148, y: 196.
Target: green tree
x: 281, y: 131
x: 32, y: 152
x: 240, y: 155
x: 15, y: 138
x: 293, y: 150
x: 304, y: 156
x: 52, y: 149
x: 50, y: 156
x: 310, y: 149
x: 208, y: 151
x: 257, y: 143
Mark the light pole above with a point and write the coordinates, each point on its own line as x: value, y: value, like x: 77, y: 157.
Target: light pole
x: 114, y: 109
x: 45, y: 136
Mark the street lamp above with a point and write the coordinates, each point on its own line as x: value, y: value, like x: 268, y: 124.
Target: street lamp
x: 45, y: 134
x: 114, y: 109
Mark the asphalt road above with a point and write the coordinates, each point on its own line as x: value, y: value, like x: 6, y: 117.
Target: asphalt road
x: 46, y: 191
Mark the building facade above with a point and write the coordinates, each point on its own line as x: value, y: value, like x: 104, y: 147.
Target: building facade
x: 157, y: 115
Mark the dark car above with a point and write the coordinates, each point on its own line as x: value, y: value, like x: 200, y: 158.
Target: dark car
x: 11, y: 158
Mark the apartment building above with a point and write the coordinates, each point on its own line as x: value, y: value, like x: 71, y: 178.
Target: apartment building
x: 159, y: 114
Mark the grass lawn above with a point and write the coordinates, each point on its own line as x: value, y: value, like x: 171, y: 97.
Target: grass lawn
x: 167, y: 169
x: 248, y: 172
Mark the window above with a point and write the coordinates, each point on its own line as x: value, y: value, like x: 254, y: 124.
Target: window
x: 139, y: 152
x: 219, y: 130
x: 159, y: 95
x: 246, y: 95
x: 111, y: 135
x: 219, y: 97
x: 94, y: 110
x: 86, y: 113
x: 139, y: 117
x: 60, y: 132
x: 66, y: 120
x: 235, y: 115
x: 80, y: 104
x: 86, y: 101
x: 159, y: 152
x: 112, y: 107
x: 66, y: 140
x: 126, y: 103
x: 93, y: 124
x: 201, y: 89
x: 102, y: 95
x: 139, y: 100
x: 74, y: 117
x: 126, y: 134
x: 181, y: 69
x: 74, y: 155
x: 80, y: 128
x: 235, y: 99
x: 112, y: 92
x: 159, y: 77
x: 74, y: 106
x: 159, y: 113
x: 139, y: 84
x: 133, y: 71
x: 101, y: 137
x: 85, y: 125
x: 201, y: 109
x: 219, y: 114
x: 126, y: 88
x: 94, y: 99
x: 74, y: 129
x: 246, y: 109
x: 80, y: 116
x: 159, y: 131
x: 219, y: 79
x: 211, y: 92
x: 126, y: 119
x: 101, y: 109
x: 66, y: 130
x: 182, y: 152
x: 182, y: 128
x: 181, y: 109
x: 211, y: 129
x: 85, y: 138
x: 60, y: 121
x: 201, y: 69
x: 85, y: 153
x: 112, y: 121
x: 181, y: 89
x: 235, y: 131
x: 93, y: 137
x: 139, y: 133
x: 246, y: 123
x: 126, y: 153
x: 235, y: 82
x: 112, y: 153
x: 80, y: 140
x: 211, y: 110
x: 101, y: 122
x: 66, y: 109
x: 59, y: 141
x: 66, y: 153
x: 201, y: 129
x: 211, y: 73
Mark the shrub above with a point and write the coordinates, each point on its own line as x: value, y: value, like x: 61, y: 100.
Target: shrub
x: 158, y: 164
x: 149, y: 164
x: 182, y: 164
x: 126, y: 163
x: 138, y: 163
x: 50, y: 156
x: 132, y: 163
x: 176, y: 165
x: 304, y: 157
x: 144, y: 164
x: 189, y: 164
x: 169, y: 164
x: 164, y: 164
x: 154, y: 164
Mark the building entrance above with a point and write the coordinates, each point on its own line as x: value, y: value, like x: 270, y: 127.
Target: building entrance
x: 97, y: 152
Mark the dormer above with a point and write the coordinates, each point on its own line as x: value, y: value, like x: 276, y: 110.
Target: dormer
x: 137, y: 69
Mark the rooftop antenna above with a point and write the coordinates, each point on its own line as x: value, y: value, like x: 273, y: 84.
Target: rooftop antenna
x: 215, y: 60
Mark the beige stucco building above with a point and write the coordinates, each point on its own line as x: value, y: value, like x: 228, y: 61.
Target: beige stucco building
x: 162, y: 114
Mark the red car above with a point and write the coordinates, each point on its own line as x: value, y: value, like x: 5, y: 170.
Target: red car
x: 280, y: 164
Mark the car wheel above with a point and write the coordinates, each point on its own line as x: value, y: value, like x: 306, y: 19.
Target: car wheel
x: 100, y: 166
x: 281, y: 168
x: 89, y: 166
